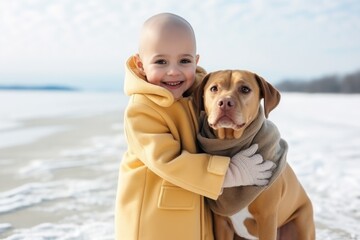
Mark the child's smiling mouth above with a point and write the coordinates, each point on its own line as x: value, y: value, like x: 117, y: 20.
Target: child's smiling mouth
x: 173, y: 84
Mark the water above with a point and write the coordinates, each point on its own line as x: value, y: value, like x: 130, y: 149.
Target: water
x: 63, y: 186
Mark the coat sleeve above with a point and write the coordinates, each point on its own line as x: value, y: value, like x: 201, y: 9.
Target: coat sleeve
x: 152, y: 142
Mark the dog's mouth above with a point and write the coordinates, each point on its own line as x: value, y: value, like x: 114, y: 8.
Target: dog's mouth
x: 226, y: 122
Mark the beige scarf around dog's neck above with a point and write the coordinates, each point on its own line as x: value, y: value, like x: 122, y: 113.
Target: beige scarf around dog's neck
x: 271, y: 147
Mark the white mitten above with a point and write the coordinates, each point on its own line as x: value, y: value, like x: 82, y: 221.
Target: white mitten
x: 245, y: 168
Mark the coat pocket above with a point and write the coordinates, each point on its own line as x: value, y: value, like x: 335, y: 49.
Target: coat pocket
x: 175, y: 198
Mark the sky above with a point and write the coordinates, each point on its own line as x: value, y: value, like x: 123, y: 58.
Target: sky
x: 85, y: 43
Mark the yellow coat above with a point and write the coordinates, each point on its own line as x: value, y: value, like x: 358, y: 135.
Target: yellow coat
x: 162, y: 179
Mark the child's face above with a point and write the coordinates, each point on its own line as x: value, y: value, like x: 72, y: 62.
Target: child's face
x: 169, y: 60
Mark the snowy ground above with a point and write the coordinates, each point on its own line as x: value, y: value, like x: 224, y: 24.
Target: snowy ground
x: 59, y: 157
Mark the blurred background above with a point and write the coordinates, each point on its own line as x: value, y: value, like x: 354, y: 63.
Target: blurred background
x: 83, y: 44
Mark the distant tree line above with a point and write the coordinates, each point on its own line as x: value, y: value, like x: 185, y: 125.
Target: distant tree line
x: 349, y: 83
x: 37, y: 88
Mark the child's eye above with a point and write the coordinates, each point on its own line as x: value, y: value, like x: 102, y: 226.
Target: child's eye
x: 160, y: 61
x: 185, y: 60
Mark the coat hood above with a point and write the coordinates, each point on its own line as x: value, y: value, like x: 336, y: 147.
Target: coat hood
x: 137, y: 84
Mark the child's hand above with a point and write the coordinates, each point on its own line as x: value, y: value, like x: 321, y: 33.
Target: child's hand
x: 248, y: 169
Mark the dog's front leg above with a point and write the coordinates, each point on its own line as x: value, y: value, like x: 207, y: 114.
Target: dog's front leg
x: 267, y: 227
x: 288, y: 232
x: 223, y: 229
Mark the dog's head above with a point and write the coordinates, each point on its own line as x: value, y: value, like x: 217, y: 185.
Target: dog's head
x: 231, y: 100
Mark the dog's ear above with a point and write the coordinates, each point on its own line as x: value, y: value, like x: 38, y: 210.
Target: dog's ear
x: 270, y: 94
x: 198, y: 95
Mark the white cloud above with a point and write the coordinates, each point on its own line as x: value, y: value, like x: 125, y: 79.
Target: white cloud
x: 277, y: 38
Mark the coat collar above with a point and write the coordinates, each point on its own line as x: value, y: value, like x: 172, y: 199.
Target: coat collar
x: 136, y: 84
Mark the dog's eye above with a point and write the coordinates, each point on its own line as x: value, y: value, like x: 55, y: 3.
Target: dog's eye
x: 244, y: 89
x: 213, y: 89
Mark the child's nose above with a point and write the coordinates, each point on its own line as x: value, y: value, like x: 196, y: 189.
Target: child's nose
x: 173, y: 70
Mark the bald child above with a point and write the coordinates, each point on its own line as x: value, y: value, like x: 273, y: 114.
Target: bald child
x: 168, y: 39
x: 162, y: 178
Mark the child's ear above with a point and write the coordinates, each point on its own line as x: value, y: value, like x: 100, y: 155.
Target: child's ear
x: 197, y: 58
x: 139, y: 64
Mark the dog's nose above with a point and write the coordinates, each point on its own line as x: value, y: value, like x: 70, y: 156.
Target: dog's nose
x: 226, y: 103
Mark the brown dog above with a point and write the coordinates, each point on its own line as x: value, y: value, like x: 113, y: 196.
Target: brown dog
x: 231, y: 101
